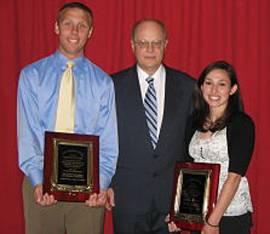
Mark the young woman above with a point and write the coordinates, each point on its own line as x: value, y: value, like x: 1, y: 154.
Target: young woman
x: 220, y: 132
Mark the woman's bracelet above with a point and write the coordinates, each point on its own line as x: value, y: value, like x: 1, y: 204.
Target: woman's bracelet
x: 211, y: 225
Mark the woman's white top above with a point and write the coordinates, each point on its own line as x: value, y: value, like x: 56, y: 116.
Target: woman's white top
x: 215, y: 150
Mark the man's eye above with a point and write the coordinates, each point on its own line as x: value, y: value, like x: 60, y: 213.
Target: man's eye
x: 143, y: 43
x: 83, y: 26
x: 157, y: 44
x: 66, y: 23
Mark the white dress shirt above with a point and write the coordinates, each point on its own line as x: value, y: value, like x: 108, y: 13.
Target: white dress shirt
x: 159, y: 84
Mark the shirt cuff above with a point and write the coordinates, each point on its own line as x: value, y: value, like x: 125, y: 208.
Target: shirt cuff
x: 104, y: 183
x: 36, y: 177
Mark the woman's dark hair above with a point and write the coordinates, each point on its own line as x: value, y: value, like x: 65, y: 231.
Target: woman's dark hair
x: 202, y: 111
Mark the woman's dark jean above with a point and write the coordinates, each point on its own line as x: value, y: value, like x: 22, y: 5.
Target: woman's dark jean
x: 235, y: 224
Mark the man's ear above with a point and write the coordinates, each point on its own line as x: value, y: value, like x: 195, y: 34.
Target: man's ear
x: 56, y: 28
x: 132, y: 45
x: 90, y: 32
x: 166, y: 43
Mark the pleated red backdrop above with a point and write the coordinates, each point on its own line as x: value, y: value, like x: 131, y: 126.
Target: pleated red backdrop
x: 200, y: 31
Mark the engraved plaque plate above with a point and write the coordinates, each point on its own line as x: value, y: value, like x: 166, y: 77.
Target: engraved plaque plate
x: 71, y: 168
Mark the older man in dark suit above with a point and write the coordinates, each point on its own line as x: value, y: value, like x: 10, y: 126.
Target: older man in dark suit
x: 153, y: 103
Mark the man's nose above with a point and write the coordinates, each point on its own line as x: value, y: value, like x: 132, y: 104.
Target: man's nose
x: 150, y: 47
x: 75, y: 29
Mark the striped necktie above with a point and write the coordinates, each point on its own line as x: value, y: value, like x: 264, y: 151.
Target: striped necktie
x: 150, y: 106
x: 66, y: 102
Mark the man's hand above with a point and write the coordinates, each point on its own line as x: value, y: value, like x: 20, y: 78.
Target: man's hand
x: 43, y: 200
x: 171, y: 225
x: 97, y: 199
x: 110, y: 199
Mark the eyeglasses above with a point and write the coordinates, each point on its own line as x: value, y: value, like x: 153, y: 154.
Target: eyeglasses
x: 146, y: 44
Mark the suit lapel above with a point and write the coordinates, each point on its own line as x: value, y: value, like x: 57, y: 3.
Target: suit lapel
x: 134, y: 91
x: 136, y: 103
x: 172, y: 99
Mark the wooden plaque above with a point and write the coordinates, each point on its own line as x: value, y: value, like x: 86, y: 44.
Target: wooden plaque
x: 194, y: 194
x: 71, y: 166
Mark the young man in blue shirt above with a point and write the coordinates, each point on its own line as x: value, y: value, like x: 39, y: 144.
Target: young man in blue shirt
x: 38, y: 93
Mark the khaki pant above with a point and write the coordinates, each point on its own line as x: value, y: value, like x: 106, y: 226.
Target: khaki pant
x: 61, y: 218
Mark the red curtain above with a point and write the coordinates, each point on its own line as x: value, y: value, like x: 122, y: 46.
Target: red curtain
x: 200, y: 31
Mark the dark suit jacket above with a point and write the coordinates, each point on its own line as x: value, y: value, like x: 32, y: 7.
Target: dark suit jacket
x: 144, y: 176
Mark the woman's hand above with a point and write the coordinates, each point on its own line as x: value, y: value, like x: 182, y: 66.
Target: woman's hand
x: 207, y: 229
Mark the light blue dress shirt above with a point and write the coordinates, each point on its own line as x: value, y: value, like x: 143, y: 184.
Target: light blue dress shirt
x: 36, y: 112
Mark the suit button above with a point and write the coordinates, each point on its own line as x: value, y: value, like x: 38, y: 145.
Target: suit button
x: 155, y: 175
x: 155, y: 156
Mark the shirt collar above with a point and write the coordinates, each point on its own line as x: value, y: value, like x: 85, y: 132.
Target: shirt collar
x: 62, y: 60
x: 143, y: 75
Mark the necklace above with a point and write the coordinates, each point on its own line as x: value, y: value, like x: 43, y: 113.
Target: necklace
x: 201, y: 152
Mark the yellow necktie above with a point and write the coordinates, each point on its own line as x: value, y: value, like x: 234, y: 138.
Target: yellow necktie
x: 66, y: 102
